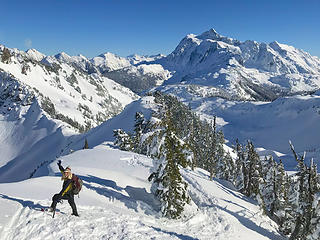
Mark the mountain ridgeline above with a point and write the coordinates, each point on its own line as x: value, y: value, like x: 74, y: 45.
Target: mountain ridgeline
x: 84, y: 92
x: 224, y: 67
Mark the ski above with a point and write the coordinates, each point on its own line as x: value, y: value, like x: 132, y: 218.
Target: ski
x: 46, y: 210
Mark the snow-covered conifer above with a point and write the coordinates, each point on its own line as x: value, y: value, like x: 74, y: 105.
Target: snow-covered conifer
x: 138, y: 130
x: 168, y: 184
x: 123, y: 140
x: 240, y: 175
x: 254, y: 171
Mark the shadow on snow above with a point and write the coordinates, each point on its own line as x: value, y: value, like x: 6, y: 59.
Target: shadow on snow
x: 132, y: 197
x: 24, y: 203
x: 180, y: 236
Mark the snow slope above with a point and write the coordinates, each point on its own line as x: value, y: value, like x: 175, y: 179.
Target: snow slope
x: 28, y: 139
x: 116, y: 203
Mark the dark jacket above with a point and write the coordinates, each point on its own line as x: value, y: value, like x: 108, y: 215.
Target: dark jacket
x: 67, y: 184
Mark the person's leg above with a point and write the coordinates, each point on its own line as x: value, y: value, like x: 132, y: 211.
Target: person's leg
x: 73, y: 205
x: 55, y: 200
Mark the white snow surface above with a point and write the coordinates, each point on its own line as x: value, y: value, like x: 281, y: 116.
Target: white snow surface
x: 116, y: 203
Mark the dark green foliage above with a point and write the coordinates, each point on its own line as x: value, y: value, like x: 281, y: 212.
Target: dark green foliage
x: 273, y: 189
x: 248, y: 172
x: 86, y: 145
x: 253, y: 163
x: 240, y: 175
x: 122, y: 140
x: 138, y: 131
x: 301, y: 199
x: 168, y: 184
x: 200, y: 136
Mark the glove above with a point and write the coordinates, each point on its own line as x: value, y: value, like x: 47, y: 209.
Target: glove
x: 59, y: 163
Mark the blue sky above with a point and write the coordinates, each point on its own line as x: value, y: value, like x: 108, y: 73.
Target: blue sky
x: 149, y: 27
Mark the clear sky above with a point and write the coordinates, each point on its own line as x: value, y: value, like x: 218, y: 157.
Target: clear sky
x: 124, y: 27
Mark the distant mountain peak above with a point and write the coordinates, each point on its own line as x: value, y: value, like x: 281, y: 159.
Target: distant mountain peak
x: 62, y: 56
x: 211, y: 34
x: 35, y: 54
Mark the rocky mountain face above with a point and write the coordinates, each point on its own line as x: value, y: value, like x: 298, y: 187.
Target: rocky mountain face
x: 213, y: 65
x: 70, y: 89
x: 135, y: 72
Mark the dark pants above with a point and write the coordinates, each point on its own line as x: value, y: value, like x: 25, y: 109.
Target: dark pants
x: 70, y: 197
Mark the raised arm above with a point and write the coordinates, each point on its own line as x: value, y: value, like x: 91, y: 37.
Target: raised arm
x: 60, y: 167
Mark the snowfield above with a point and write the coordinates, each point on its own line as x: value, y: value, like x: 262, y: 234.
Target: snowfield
x: 116, y: 203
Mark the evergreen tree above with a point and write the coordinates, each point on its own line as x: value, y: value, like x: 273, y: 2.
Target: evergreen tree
x: 123, y: 140
x: 168, y: 184
x: 230, y: 168
x: 223, y: 161
x: 280, y: 194
x: 254, y: 172
x: 138, y: 131
x: 86, y: 146
x: 315, y: 220
x: 267, y: 185
x: 273, y: 190
x: 302, y: 201
x: 240, y: 176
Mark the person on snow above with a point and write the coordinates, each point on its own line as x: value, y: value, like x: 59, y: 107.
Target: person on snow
x: 66, y: 192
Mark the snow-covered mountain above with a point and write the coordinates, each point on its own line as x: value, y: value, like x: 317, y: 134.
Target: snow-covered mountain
x: 64, y: 86
x: 141, y: 77
x: 134, y: 72
x: 241, y: 70
x: 136, y: 59
x: 108, y: 62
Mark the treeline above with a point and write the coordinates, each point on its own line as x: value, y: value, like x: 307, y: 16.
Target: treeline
x: 291, y: 201
x: 175, y: 137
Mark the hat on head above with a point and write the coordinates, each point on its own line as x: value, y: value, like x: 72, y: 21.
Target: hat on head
x: 68, y: 169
